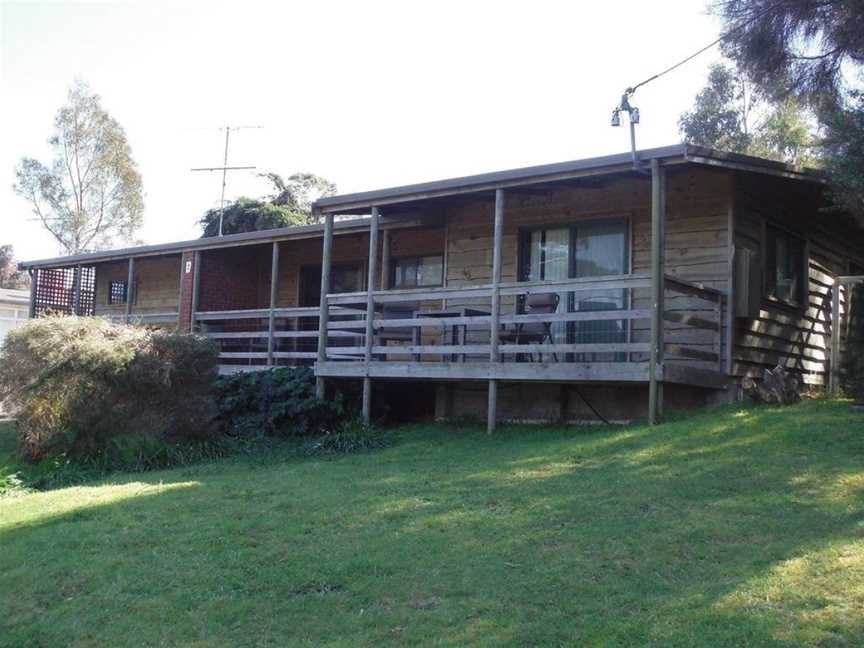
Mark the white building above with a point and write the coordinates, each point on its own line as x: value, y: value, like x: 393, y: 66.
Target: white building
x: 14, y: 309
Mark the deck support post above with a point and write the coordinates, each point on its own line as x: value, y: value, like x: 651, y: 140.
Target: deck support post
x: 324, y: 311
x: 76, y: 290
x: 655, y: 362
x: 495, y: 310
x: 274, y: 282
x: 130, y: 289
x: 385, y: 259
x: 196, y: 284
x: 34, y: 283
x: 370, y: 312
x: 834, y: 368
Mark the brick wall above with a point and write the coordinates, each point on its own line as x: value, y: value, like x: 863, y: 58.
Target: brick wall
x: 231, y: 278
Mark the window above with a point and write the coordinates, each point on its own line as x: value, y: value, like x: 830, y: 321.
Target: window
x: 343, y: 279
x: 416, y: 272
x: 785, y: 267
x: 590, y: 248
x: 117, y: 292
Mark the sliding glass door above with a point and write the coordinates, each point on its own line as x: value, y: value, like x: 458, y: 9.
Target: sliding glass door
x: 591, y: 248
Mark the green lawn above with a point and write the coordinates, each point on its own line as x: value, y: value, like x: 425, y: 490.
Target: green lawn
x: 727, y: 528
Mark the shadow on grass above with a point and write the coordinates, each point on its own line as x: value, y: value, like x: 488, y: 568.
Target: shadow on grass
x: 692, y: 533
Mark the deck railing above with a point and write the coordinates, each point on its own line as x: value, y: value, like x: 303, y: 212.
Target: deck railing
x: 600, y: 321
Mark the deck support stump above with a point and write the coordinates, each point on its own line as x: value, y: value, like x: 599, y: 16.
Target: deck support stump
x: 370, y: 311
x: 492, y: 407
x: 655, y: 362
x: 324, y: 311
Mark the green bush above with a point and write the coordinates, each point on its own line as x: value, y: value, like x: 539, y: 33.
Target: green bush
x: 89, y: 390
x: 278, y: 402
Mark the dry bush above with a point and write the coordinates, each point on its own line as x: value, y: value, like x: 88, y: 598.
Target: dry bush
x: 86, y: 388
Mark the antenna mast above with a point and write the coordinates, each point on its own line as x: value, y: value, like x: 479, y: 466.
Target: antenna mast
x: 225, y: 169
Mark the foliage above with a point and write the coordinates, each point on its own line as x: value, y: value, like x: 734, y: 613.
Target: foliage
x: 89, y: 390
x: 813, y: 51
x: 798, y: 46
x: 90, y: 194
x: 844, y: 147
x: 10, y: 276
x: 728, y: 527
x: 279, y: 402
x: 353, y: 436
x: 731, y: 114
x: 290, y: 204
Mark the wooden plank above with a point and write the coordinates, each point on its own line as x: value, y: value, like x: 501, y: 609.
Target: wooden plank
x: 679, y: 351
x: 324, y: 312
x: 478, y: 349
x: 507, y: 288
x: 691, y: 320
x: 422, y: 322
x: 527, y: 371
x: 693, y: 288
x: 685, y: 375
x: 834, y: 366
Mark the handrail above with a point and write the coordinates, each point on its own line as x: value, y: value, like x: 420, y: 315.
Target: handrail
x: 507, y: 288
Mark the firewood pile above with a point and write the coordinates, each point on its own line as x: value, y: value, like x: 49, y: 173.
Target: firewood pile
x: 776, y: 386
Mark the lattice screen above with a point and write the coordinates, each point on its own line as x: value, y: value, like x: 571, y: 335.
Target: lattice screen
x: 55, y: 290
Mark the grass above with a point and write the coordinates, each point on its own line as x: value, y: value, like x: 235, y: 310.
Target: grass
x: 732, y: 527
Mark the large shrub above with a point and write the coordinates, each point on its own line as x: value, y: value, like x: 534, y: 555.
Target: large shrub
x: 278, y: 402
x: 87, y: 388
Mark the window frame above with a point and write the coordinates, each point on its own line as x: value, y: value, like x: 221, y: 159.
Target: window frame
x: 770, y: 230
x: 392, y: 271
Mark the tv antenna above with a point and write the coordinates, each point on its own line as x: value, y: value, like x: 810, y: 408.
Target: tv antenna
x: 225, y: 168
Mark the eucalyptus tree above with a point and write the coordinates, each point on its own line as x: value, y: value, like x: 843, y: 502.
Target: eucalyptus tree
x: 89, y: 195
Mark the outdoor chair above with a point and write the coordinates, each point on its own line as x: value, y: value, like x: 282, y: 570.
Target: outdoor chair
x: 533, y: 332
x: 398, y: 333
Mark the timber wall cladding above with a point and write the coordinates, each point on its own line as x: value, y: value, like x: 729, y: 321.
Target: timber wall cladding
x: 347, y: 249
x: 157, y: 280
x: 697, y: 238
x: 796, y: 338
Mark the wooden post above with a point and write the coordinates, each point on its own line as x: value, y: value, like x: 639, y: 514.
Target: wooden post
x: 495, y: 311
x: 76, y: 290
x: 34, y: 283
x: 130, y: 289
x: 655, y: 363
x: 324, y: 311
x: 274, y: 281
x: 834, y: 369
x: 385, y: 259
x: 370, y: 311
x: 196, y: 284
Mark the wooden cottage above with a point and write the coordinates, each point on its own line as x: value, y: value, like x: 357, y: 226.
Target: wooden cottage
x: 574, y: 291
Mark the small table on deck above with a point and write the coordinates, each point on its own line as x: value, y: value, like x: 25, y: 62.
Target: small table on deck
x: 458, y: 331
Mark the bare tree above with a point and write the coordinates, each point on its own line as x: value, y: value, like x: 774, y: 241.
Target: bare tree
x: 90, y: 194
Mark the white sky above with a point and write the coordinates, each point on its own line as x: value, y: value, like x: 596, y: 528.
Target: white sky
x: 368, y: 94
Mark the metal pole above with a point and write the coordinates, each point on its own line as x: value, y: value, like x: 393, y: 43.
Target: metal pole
x: 324, y: 312
x: 370, y: 311
x: 224, y: 174
x: 274, y: 280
